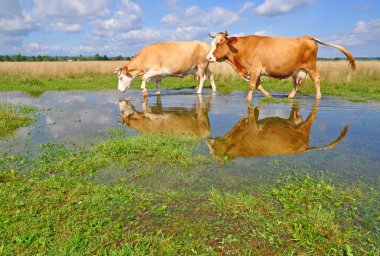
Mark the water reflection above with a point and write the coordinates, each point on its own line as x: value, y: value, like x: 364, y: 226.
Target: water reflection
x: 167, y: 120
x: 269, y: 136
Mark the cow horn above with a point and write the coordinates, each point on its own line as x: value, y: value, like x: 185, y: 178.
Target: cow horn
x: 209, y: 34
x: 226, y: 33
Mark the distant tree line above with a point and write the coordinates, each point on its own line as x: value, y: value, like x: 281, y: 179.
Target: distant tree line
x: 20, y: 57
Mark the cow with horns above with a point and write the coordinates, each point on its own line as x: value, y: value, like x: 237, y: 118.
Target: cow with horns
x: 164, y: 59
x: 255, y: 56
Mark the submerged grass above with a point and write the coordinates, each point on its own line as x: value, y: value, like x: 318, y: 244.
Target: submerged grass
x: 51, y: 204
x: 13, y: 117
x: 38, y: 77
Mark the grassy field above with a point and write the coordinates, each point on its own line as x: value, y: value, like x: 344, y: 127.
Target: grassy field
x: 50, y: 203
x: 166, y: 202
x: 38, y: 77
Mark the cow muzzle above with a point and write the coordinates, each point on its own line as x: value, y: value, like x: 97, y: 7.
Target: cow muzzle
x: 210, y: 58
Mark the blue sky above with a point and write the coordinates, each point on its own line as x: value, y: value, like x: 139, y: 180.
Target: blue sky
x: 123, y: 27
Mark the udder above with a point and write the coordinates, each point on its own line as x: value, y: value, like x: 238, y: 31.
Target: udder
x: 299, y: 75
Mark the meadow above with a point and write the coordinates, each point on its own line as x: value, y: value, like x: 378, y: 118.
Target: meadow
x: 171, y: 198
x: 38, y: 77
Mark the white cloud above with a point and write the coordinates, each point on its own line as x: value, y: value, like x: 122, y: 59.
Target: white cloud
x: 195, y: 16
x: 128, y: 17
x: 274, y: 7
x: 66, y: 27
x: 33, y: 46
x: 189, y: 33
x: 69, y: 10
x: 261, y: 33
x: 364, y: 33
x: 139, y: 36
x: 172, y: 1
x: 246, y: 6
x: 83, y: 49
x: 10, y: 8
x: 38, y: 49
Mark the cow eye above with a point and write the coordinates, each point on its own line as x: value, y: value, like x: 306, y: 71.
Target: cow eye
x: 218, y: 45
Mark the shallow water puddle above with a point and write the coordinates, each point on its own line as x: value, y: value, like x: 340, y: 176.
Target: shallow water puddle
x: 331, y: 134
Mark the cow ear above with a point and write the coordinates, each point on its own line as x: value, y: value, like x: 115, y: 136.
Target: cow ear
x: 125, y: 70
x: 117, y: 70
x: 232, y: 40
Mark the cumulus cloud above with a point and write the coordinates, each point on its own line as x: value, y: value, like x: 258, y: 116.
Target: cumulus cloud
x: 68, y: 9
x: 246, y: 6
x: 275, y: 7
x: 15, y: 24
x: 363, y: 33
x: 139, y: 36
x: 172, y: 1
x: 10, y: 8
x: 128, y: 17
x: 189, y: 33
x: 66, y: 27
x: 196, y: 16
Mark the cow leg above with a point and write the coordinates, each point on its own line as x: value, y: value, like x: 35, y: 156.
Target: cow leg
x: 143, y: 87
x: 210, y: 75
x: 315, y: 77
x: 201, y: 82
x: 202, y: 73
x: 296, y: 83
x: 158, y: 86
x: 253, y: 82
x: 261, y: 89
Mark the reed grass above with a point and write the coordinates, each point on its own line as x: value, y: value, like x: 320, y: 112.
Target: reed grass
x: 336, y: 78
x: 336, y: 71
x: 58, y: 69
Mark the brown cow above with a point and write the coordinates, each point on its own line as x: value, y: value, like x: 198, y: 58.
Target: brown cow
x: 269, y: 136
x: 255, y: 56
x: 175, y: 121
x: 159, y: 60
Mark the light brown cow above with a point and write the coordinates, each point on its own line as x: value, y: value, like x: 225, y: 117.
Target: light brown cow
x: 176, y: 121
x: 159, y: 60
x: 270, y: 136
x: 255, y: 56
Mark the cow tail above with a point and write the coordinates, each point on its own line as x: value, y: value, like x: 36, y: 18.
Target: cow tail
x: 343, y: 50
x: 334, y: 143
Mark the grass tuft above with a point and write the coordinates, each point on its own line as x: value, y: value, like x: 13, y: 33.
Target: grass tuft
x: 13, y: 117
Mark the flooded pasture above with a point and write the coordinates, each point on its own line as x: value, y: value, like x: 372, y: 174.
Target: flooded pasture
x: 261, y: 139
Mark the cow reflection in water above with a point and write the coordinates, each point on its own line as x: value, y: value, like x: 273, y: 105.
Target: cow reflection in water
x: 269, y: 136
x: 176, y: 121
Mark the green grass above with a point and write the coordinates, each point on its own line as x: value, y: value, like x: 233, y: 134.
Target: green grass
x: 13, y: 117
x: 359, y: 89
x: 51, y: 203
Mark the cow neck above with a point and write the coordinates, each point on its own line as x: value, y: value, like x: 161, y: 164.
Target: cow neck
x: 133, y: 69
x: 231, y: 58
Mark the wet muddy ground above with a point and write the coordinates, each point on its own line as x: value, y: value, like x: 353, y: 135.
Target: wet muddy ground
x: 332, y: 135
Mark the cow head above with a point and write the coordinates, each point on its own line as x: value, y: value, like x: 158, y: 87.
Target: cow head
x: 124, y: 79
x: 221, y: 45
x: 126, y: 110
